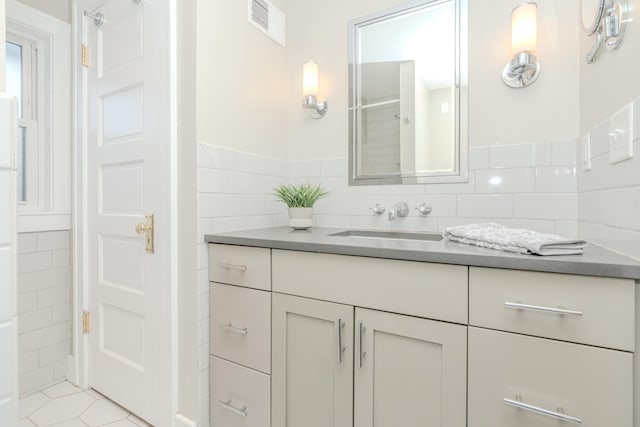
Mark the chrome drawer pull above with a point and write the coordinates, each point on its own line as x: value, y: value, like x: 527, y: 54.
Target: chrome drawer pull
x: 341, y: 348
x: 230, y: 266
x: 361, y: 330
x: 542, y: 411
x: 339, y: 340
x: 229, y: 327
x: 521, y: 306
x: 226, y: 404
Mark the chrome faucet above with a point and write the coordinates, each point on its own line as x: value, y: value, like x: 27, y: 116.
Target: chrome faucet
x: 378, y: 209
x: 400, y: 209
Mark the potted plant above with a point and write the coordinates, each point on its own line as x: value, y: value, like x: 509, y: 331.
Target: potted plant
x: 300, y: 199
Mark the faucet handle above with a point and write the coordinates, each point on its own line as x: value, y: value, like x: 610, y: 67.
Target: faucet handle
x: 378, y: 209
x: 402, y: 209
x: 424, y: 209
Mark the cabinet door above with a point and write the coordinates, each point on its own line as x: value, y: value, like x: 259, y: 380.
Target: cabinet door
x: 312, y: 370
x: 517, y: 380
x: 409, y: 372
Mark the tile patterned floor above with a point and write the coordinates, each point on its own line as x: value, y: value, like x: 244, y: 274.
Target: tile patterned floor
x: 65, y: 405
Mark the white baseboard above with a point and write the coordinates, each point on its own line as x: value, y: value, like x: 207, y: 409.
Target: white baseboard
x: 182, y: 421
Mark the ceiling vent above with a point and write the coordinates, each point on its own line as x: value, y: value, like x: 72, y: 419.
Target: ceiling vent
x: 268, y: 19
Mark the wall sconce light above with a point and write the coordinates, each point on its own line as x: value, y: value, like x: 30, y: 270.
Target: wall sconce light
x: 524, y: 68
x: 310, y: 89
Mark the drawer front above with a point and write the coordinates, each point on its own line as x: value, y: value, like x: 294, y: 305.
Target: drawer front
x: 240, y: 328
x: 436, y: 291
x: 590, y: 310
x: 590, y: 385
x: 240, y: 265
x: 240, y: 397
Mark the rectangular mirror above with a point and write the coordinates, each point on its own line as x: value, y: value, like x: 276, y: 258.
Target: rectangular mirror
x: 408, y: 95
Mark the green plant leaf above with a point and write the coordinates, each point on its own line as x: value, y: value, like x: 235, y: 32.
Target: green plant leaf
x: 299, y: 196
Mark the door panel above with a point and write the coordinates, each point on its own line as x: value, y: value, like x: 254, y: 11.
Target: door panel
x: 122, y: 113
x: 121, y: 187
x: 121, y: 39
x: 409, y: 372
x: 123, y: 337
x: 127, y: 178
x: 120, y: 257
x: 311, y: 382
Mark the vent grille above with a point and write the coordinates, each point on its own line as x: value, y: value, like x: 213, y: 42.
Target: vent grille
x: 260, y: 13
x: 266, y: 17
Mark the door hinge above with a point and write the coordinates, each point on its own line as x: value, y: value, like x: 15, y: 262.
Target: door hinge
x: 86, y: 56
x: 86, y: 322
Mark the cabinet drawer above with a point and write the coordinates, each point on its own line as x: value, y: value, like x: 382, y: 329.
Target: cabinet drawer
x: 436, y: 291
x: 240, y: 397
x: 240, y: 328
x: 240, y: 265
x: 600, y: 310
x: 591, y: 385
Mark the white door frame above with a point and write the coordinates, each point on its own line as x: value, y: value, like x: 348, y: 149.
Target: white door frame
x: 78, y: 366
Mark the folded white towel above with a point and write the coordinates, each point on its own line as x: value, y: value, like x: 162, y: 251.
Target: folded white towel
x: 518, y: 240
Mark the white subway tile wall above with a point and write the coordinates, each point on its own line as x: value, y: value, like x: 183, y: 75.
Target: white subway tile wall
x: 609, y: 194
x: 529, y: 185
x: 44, y: 308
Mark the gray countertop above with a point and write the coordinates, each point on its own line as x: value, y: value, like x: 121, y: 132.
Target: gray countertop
x: 595, y: 261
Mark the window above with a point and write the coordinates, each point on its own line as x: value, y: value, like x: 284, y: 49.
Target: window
x: 22, y: 83
x: 38, y: 74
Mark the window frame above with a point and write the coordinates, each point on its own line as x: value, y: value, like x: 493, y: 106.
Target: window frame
x: 32, y: 118
x: 49, y: 206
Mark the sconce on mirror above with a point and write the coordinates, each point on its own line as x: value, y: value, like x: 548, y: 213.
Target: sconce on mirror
x: 524, y: 68
x: 606, y: 20
x: 310, y: 97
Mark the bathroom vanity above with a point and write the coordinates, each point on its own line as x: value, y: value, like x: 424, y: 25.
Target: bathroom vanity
x: 309, y: 329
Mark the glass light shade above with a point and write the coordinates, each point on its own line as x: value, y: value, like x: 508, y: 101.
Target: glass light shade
x: 310, y: 79
x: 524, y: 25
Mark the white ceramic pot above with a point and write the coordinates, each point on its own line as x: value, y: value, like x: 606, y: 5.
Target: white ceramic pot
x: 300, y: 218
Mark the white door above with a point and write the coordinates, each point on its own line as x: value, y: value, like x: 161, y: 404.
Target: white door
x: 128, y: 178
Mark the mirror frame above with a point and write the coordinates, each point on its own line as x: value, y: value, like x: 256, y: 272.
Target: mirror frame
x: 461, y: 97
x: 592, y: 27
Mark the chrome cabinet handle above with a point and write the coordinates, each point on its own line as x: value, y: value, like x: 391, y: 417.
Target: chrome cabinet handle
x: 530, y: 307
x: 361, y: 329
x: 226, y: 404
x: 340, y: 347
x: 236, y: 330
x: 230, y: 266
x: 542, y: 411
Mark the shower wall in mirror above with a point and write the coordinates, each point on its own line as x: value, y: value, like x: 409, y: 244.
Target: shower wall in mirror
x: 408, y: 94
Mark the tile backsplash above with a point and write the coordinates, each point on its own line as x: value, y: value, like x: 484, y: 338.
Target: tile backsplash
x: 529, y: 185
